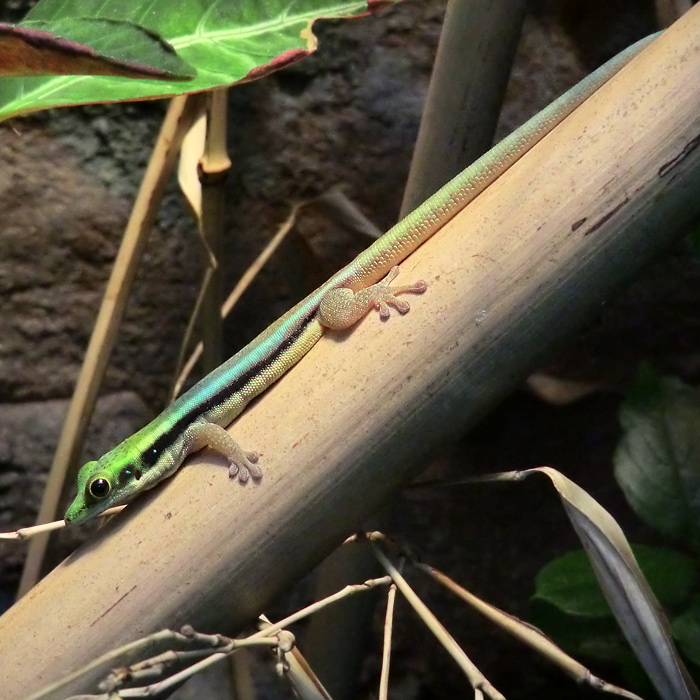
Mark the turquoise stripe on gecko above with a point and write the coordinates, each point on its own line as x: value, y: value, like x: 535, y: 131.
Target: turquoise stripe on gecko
x: 198, y: 418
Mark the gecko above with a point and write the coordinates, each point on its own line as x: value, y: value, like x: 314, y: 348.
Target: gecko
x: 199, y: 417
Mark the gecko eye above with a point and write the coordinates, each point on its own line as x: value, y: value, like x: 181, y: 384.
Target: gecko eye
x: 99, y: 488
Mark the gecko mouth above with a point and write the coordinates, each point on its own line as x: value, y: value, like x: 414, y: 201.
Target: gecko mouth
x: 78, y: 513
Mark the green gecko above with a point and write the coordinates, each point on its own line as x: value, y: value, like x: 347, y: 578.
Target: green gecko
x: 198, y: 417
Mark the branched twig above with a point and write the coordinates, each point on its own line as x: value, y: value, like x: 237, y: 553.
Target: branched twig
x: 478, y: 681
x: 218, y: 648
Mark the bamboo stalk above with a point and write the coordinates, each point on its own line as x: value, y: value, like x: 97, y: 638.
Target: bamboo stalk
x: 466, y: 92
x: 214, y: 168
x: 509, y: 278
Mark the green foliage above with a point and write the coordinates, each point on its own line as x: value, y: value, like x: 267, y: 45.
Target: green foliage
x: 686, y: 629
x: 569, y: 606
x: 569, y: 584
x: 597, y: 637
x: 122, y: 41
x: 225, y: 42
x: 657, y: 465
x: 85, y: 46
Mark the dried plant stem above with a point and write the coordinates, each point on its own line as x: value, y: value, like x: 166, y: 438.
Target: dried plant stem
x: 238, y: 291
x: 476, y: 678
x: 531, y: 636
x: 386, y: 648
x: 175, y: 125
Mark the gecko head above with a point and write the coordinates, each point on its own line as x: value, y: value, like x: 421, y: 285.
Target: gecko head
x: 108, y: 482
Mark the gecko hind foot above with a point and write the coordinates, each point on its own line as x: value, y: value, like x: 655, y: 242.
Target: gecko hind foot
x: 383, y: 296
x: 340, y: 308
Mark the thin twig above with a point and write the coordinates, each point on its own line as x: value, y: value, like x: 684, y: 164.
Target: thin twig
x: 527, y: 634
x: 25, y: 533
x: 264, y: 636
x: 386, y: 649
x: 476, y: 678
x: 237, y: 293
x: 111, y: 656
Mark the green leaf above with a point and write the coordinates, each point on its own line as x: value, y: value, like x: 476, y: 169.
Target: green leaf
x: 672, y: 575
x: 226, y: 41
x: 686, y: 629
x: 83, y: 46
x: 569, y: 584
x: 657, y: 463
x: 594, y: 637
x: 599, y: 637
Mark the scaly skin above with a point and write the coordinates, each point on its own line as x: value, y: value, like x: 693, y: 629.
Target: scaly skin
x: 197, y: 418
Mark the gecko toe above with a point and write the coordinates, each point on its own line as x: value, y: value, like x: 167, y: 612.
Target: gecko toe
x: 245, y: 467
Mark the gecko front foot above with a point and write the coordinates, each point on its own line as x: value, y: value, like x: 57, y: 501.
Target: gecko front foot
x: 243, y: 464
x: 341, y: 308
